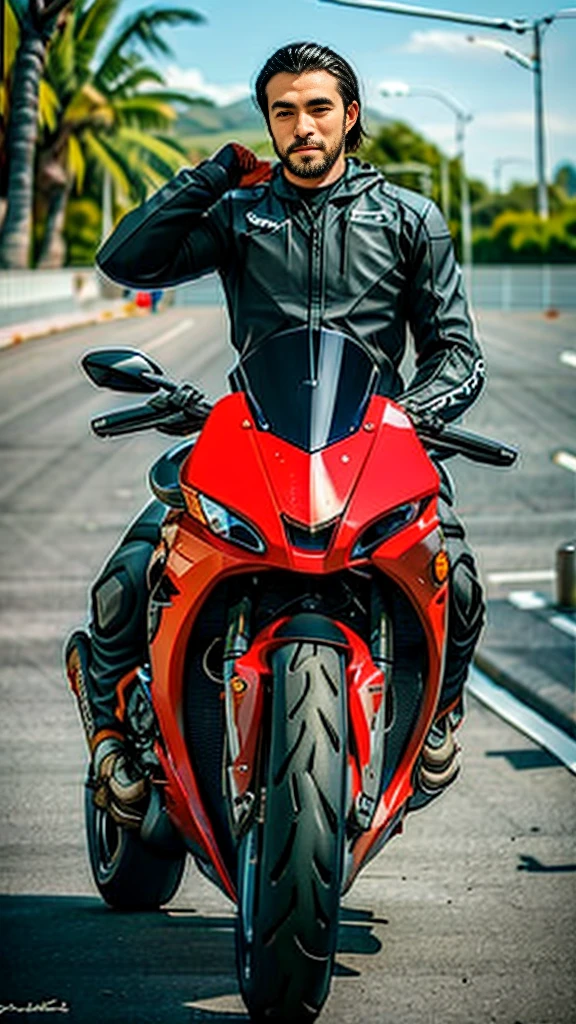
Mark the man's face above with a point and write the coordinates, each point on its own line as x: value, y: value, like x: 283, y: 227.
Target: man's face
x: 308, y: 125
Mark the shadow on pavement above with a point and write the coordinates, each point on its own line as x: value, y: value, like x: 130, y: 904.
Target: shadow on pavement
x: 535, y: 866
x: 146, y: 968
x: 523, y: 760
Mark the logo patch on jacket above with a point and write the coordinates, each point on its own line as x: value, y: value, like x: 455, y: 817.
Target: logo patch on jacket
x: 370, y: 216
x: 264, y: 223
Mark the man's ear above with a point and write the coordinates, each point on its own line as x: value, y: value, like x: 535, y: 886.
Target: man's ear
x: 352, y: 114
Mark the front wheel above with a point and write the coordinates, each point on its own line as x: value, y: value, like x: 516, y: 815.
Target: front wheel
x: 129, y: 875
x: 290, y: 862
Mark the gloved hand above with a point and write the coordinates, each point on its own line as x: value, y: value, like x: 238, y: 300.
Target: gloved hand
x: 424, y: 422
x: 242, y: 166
x: 189, y: 408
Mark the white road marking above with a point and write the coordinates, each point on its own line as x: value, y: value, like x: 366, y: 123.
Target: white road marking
x: 163, y: 339
x: 569, y: 358
x: 527, y: 600
x: 566, y: 460
x: 564, y: 623
x: 523, y: 718
x: 522, y: 576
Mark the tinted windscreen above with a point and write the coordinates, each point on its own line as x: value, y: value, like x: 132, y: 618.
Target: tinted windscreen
x: 311, y: 391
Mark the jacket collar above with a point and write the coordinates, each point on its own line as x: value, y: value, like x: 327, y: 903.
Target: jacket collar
x: 357, y: 178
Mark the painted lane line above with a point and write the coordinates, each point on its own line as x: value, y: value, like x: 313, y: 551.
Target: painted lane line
x: 563, y: 623
x: 569, y: 358
x: 566, y: 460
x: 523, y: 718
x: 523, y: 576
x: 527, y: 600
x: 163, y: 339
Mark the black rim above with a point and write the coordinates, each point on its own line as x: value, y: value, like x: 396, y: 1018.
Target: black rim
x: 108, y: 837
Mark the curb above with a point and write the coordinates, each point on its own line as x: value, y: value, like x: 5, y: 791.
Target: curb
x: 16, y: 334
x: 525, y: 694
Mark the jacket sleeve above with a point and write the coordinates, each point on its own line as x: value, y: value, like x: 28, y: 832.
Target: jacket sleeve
x: 449, y: 365
x: 174, y: 236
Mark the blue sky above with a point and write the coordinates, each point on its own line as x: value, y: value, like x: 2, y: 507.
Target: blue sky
x: 221, y: 57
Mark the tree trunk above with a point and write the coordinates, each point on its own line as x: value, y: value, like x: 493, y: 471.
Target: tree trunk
x: 16, y: 233
x: 53, y: 251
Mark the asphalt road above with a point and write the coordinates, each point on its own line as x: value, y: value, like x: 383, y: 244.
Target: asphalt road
x: 467, y: 919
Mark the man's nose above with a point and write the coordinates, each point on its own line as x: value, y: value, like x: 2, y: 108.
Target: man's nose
x: 304, y: 125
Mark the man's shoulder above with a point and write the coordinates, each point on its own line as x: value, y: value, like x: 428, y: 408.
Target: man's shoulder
x: 405, y: 198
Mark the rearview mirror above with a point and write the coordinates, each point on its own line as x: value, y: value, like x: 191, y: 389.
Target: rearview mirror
x: 122, y: 369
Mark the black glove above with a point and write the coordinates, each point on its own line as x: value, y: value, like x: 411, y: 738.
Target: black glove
x: 424, y: 422
x: 242, y: 166
x: 187, y: 410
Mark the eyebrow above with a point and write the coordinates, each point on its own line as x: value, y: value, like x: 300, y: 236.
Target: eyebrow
x: 318, y: 101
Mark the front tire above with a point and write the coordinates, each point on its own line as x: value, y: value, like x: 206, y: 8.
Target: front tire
x: 128, y: 874
x: 290, y: 862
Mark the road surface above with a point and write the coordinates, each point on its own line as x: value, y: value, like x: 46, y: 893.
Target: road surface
x: 467, y: 919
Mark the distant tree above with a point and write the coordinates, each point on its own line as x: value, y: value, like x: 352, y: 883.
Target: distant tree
x: 565, y: 179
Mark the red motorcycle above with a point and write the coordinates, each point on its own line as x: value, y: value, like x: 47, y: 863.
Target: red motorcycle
x: 297, y: 626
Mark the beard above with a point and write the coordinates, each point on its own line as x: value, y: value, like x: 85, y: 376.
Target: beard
x: 311, y: 165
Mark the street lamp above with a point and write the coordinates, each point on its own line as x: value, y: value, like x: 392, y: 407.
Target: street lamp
x: 503, y: 161
x: 463, y: 117
x: 534, y: 63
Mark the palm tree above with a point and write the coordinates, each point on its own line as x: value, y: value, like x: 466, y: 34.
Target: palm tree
x: 36, y: 19
x: 106, y: 111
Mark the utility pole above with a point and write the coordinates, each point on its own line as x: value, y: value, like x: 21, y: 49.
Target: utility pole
x: 519, y: 25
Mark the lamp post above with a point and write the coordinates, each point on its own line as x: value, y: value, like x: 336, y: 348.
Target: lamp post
x: 463, y: 117
x: 534, y: 63
x: 503, y: 161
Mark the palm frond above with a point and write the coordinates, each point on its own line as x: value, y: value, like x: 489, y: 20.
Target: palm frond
x: 48, y: 106
x: 110, y: 159
x: 76, y: 162
x: 89, y: 104
x: 60, y: 70
x: 143, y: 27
x: 92, y: 21
x: 144, y: 112
x: 133, y: 79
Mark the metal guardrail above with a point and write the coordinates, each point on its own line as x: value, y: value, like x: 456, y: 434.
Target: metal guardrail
x: 514, y: 287
x: 28, y: 294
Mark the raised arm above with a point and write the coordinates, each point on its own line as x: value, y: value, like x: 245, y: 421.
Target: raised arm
x: 449, y: 365
x: 180, y: 232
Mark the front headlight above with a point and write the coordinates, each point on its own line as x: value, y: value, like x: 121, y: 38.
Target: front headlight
x: 224, y: 523
x: 386, y: 527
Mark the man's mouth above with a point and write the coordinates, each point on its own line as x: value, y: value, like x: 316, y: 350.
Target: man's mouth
x: 306, y: 149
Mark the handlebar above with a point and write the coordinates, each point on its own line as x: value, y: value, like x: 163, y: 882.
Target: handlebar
x: 127, y: 421
x: 449, y: 440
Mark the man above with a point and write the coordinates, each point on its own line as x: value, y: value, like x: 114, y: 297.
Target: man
x: 317, y: 240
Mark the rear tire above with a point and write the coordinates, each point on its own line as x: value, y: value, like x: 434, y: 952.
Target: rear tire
x: 290, y: 865
x: 129, y: 875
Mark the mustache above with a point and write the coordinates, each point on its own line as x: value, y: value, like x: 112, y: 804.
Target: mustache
x: 306, y: 142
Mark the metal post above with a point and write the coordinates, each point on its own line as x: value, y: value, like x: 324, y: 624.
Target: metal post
x: 445, y: 186
x: 566, y: 575
x: 465, y: 214
x: 539, y: 116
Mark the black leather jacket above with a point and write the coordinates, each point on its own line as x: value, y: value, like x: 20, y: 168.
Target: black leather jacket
x: 377, y: 259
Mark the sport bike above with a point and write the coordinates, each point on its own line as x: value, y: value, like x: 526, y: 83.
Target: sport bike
x: 297, y: 628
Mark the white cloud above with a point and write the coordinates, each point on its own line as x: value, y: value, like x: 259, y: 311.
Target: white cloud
x: 192, y: 80
x: 438, y: 41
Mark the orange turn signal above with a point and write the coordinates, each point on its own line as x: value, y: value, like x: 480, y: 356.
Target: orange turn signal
x: 440, y: 567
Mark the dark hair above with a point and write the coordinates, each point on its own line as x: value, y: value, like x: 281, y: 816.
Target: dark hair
x: 298, y: 58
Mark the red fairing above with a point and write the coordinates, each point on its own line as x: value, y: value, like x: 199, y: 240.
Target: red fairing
x: 261, y: 478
